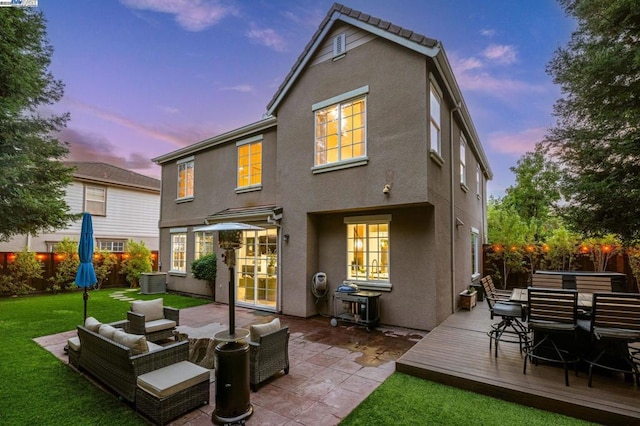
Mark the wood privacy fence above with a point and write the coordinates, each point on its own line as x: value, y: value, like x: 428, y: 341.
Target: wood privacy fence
x: 617, y: 263
x: 50, y: 263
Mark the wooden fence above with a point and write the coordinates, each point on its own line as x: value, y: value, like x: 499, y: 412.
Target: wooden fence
x: 50, y: 263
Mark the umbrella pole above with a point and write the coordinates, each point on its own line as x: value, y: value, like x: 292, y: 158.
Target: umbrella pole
x: 85, y: 296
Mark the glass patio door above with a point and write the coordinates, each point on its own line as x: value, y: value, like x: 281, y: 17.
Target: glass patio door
x: 257, y: 269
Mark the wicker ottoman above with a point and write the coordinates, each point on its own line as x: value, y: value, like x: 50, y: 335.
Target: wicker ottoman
x: 172, y: 391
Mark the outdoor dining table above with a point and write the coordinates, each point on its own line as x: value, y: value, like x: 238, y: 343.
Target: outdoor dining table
x: 585, y: 300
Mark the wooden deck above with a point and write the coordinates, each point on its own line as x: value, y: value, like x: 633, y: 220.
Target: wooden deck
x: 456, y: 353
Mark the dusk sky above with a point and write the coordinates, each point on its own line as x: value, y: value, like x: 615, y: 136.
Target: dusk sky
x: 147, y: 77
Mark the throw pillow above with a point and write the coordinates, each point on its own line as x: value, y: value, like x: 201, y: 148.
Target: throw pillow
x: 151, y: 309
x: 107, y: 331
x: 135, y: 342
x: 92, y: 324
x: 259, y: 330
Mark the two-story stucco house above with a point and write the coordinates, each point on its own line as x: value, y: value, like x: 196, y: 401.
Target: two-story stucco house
x: 367, y: 167
x: 124, y: 205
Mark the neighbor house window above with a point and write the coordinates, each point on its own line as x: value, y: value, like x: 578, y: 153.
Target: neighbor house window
x: 204, y: 244
x: 475, y: 253
x: 368, y: 246
x: 249, y: 162
x: 178, y: 250
x: 463, y: 162
x: 340, y: 128
x: 185, y: 178
x: 111, y: 245
x: 434, y: 112
x: 95, y: 200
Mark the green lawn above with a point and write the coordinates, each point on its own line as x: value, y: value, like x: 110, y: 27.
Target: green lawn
x: 35, y: 387
x: 407, y: 400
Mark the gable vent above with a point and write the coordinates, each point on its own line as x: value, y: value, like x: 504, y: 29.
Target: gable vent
x: 339, y: 45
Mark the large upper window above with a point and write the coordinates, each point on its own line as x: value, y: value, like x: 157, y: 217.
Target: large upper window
x: 185, y: 178
x: 341, y: 128
x: 463, y: 161
x: 368, y: 249
x: 249, y: 163
x: 95, y: 200
x: 435, y: 127
x: 204, y: 244
x: 178, y: 251
x: 478, y: 181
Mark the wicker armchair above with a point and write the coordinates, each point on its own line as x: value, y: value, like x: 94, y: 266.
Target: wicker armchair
x: 153, y: 320
x: 268, y: 355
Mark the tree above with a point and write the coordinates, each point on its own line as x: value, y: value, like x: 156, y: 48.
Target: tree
x: 536, y: 191
x: 33, y: 178
x: 103, y: 263
x: 69, y: 261
x: 136, y: 261
x: 206, y: 268
x: 597, y: 136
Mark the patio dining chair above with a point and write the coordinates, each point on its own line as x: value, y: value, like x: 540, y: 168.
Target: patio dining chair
x: 553, y: 325
x: 510, y: 324
x: 615, y: 323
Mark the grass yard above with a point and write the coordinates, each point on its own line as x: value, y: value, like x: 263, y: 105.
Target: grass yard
x: 407, y: 400
x: 35, y: 387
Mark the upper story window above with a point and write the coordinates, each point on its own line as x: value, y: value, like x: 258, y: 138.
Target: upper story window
x: 368, y: 243
x: 95, y: 200
x: 340, y: 129
x: 463, y: 162
x: 475, y: 253
x: 178, y: 250
x: 478, y: 181
x: 185, y: 178
x: 204, y: 244
x: 250, y: 162
x: 435, y: 126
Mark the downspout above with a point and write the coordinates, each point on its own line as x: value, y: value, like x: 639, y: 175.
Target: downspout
x: 452, y: 222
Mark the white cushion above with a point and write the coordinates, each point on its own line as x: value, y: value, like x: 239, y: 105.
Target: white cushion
x: 157, y: 325
x: 74, y: 344
x: 107, y: 331
x: 137, y: 343
x: 151, y: 309
x: 154, y: 346
x: 260, y: 330
x: 169, y: 380
x: 92, y: 324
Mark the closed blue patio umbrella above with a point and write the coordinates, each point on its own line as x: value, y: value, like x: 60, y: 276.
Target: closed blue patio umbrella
x: 86, y: 275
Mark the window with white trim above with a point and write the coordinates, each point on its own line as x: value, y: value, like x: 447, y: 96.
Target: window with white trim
x: 204, y: 244
x: 340, y: 131
x: 478, y: 181
x: 249, y: 163
x: 185, y: 178
x: 475, y: 253
x: 434, y: 113
x: 178, y: 251
x: 463, y: 161
x: 111, y: 245
x: 368, y: 246
x: 95, y: 200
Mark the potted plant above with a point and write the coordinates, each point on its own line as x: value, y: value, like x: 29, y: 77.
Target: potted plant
x: 468, y: 298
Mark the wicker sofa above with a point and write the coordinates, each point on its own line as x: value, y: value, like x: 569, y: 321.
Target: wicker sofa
x: 268, y: 352
x: 160, y: 382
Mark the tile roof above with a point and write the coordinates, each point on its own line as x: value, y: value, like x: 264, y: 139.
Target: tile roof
x: 108, y: 174
x: 363, y: 17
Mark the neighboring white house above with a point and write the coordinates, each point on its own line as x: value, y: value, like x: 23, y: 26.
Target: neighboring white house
x: 124, y: 205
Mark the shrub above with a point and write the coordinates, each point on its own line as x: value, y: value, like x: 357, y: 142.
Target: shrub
x: 103, y: 263
x: 206, y: 268
x: 25, y: 268
x: 136, y: 261
x: 67, y: 251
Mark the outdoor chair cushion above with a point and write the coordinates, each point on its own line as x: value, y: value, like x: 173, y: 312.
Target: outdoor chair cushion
x: 160, y: 324
x: 92, y: 324
x: 151, y: 309
x: 174, y: 378
x: 137, y: 343
x: 74, y: 344
x: 107, y: 331
x: 154, y: 346
x: 259, y: 330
